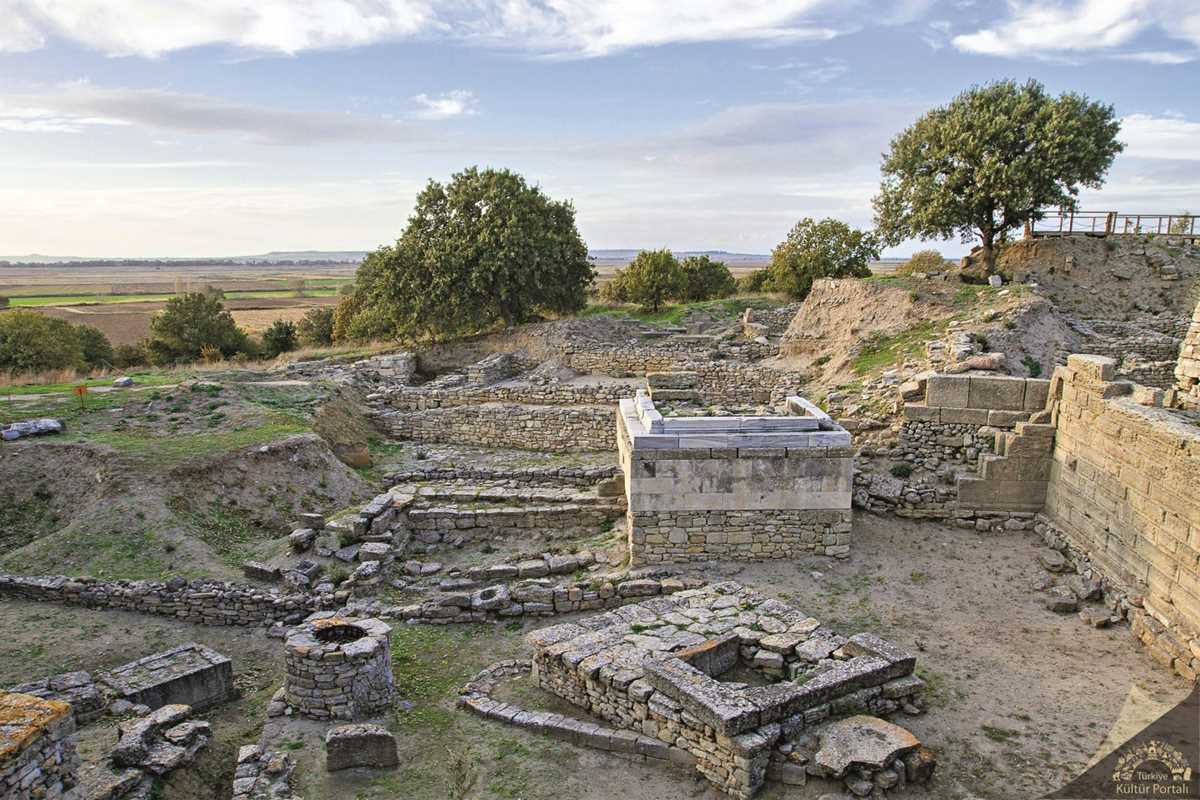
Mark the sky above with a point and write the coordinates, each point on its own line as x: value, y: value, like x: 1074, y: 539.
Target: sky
x: 228, y: 127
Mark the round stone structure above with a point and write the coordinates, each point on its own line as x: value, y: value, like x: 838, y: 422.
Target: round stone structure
x: 339, y: 667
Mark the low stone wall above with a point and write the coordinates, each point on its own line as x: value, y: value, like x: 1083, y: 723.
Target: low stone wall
x: 670, y: 536
x: 190, y: 674
x: 527, y: 427
x: 416, y: 398
x: 930, y: 444
x: 563, y: 520
x: 1122, y: 490
x: 641, y: 671
x: 204, y: 602
x: 532, y: 476
x: 37, y: 749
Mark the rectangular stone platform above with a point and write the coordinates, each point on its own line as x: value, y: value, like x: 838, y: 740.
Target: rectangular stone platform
x: 745, y: 487
x: 191, y: 674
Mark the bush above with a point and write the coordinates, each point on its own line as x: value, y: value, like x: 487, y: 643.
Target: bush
x: 705, y: 279
x: 653, y: 278
x: 755, y: 282
x: 825, y: 249
x: 485, y: 248
x: 97, y: 350
x: 315, y: 329
x: 922, y: 261
x: 130, y: 355
x: 901, y: 470
x: 3, y: 302
x: 615, y: 291
x: 33, y: 342
x: 280, y: 337
x: 188, y: 324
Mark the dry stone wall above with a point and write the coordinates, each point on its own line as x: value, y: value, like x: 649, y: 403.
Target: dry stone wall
x: 204, y: 602
x: 528, y: 427
x: 37, y: 748
x: 1122, y: 490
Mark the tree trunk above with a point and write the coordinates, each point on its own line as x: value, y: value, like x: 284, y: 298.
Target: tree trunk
x: 989, y: 252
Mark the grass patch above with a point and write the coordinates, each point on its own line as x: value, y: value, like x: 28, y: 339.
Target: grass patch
x: 177, y: 448
x: 880, y: 351
x: 1001, y: 735
x: 229, y: 532
x: 110, y: 553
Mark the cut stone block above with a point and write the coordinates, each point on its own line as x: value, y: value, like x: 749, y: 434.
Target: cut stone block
x: 190, y: 674
x: 361, y: 745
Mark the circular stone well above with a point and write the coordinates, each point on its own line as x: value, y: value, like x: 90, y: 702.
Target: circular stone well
x: 339, y: 668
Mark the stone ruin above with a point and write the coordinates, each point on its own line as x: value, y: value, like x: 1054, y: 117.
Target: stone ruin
x: 37, y: 749
x: 339, y: 667
x: 726, y: 681
x: 1187, y: 372
x: 746, y: 487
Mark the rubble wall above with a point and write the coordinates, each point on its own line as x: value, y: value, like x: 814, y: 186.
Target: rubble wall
x: 37, y: 749
x: 1123, y: 491
x: 526, y: 427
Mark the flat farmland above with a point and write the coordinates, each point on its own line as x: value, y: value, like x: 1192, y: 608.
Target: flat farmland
x: 129, y: 322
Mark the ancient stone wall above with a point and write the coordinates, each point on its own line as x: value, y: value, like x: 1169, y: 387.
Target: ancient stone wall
x: 528, y: 427
x: 672, y: 536
x: 416, y: 398
x: 563, y: 520
x: 1187, y: 372
x: 530, y: 476
x: 205, y: 602
x: 339, y: 668
x: 1123, y: 491
x: 37, y: 748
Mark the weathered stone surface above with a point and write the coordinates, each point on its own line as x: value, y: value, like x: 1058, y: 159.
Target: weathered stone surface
x: 361, y: 745
x: 861, y: 740
x: 190, y: 674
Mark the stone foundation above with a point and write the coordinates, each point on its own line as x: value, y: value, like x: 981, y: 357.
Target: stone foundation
x: 191, y: 674
x: 339, y: 668
x: 37, y: 749
x: 527, y: 427
x: 1187, y: 371
x: 665, y: 536
x: 700, y: 488
x: 656, y: 668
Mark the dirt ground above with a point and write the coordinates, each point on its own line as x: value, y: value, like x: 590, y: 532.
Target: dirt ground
x: 1020, y: 698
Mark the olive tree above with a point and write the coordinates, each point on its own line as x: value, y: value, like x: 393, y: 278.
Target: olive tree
x: 813, y: 249
x: 988, y: 161
x: 485, y: 248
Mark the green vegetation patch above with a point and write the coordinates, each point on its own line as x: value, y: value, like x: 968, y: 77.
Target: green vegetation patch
x: 880, y: 351
x: 97, y: 547
x: 675, y: 313
x: 179, y: 447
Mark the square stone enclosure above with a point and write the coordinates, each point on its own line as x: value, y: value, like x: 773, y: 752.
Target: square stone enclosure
x: 190, y: 674
x: 740, y: 487
x: 662, y: 667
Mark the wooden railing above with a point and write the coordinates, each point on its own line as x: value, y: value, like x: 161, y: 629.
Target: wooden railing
x: 1111, y: 223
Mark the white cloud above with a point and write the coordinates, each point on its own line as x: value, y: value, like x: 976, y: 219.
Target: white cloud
x: 1054, y: 28
x: 457, y: 103
x: 1173, y: 138
x: 75, y: 108
x: 1159, y: 57
x: 153, y: 27
x: 565, y: 28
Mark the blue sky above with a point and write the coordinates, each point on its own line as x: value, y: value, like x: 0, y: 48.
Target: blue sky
x: 216, y: 127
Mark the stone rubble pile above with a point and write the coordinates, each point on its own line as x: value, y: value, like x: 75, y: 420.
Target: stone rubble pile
x: 262, y: 774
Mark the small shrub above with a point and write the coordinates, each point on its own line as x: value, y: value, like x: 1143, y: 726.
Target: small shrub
x: 1033, y: 366
x: 337, y: 574
x: 821, y: 361
x: 129, y: 355
x: 755, y: 282
x: 315, y: 329
x: 210, y: 354
x: 901, y: 470
x: 922, y: 261
x: 280, y: 337
x: 914, y: 296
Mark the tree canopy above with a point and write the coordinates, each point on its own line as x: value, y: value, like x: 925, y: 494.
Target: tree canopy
x: 815, y: 249
x: 652, y: 278
x: 705, y: 279
x: 989, y: 160
x: 189, y: 323
x: 485, y: 248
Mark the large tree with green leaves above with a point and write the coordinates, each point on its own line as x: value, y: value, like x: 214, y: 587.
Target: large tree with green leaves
x: 190, y: 322
x: 652, y: 278
x: 705, y: 279
x: 485, y: 248
x: 990, y: 160
x: 813, y: 249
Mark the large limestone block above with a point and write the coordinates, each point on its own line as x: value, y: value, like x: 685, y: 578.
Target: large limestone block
x: 362, y: 745
x: 1004, y: 394
x: 949, y: 391
x: 864, y: 741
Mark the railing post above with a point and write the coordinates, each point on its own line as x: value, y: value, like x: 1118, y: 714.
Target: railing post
x: 1110, y: 223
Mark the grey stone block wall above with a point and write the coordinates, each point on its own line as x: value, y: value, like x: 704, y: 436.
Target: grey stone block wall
x: 37, y: 749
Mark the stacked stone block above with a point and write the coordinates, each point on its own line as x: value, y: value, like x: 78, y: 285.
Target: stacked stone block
x: 1187, y: 371
x: 734, y: 487
x: 1122, y: 490
x: 37, y: 748
x: 527, y: 427
x: 339, y: 668
x: 655, y: 667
